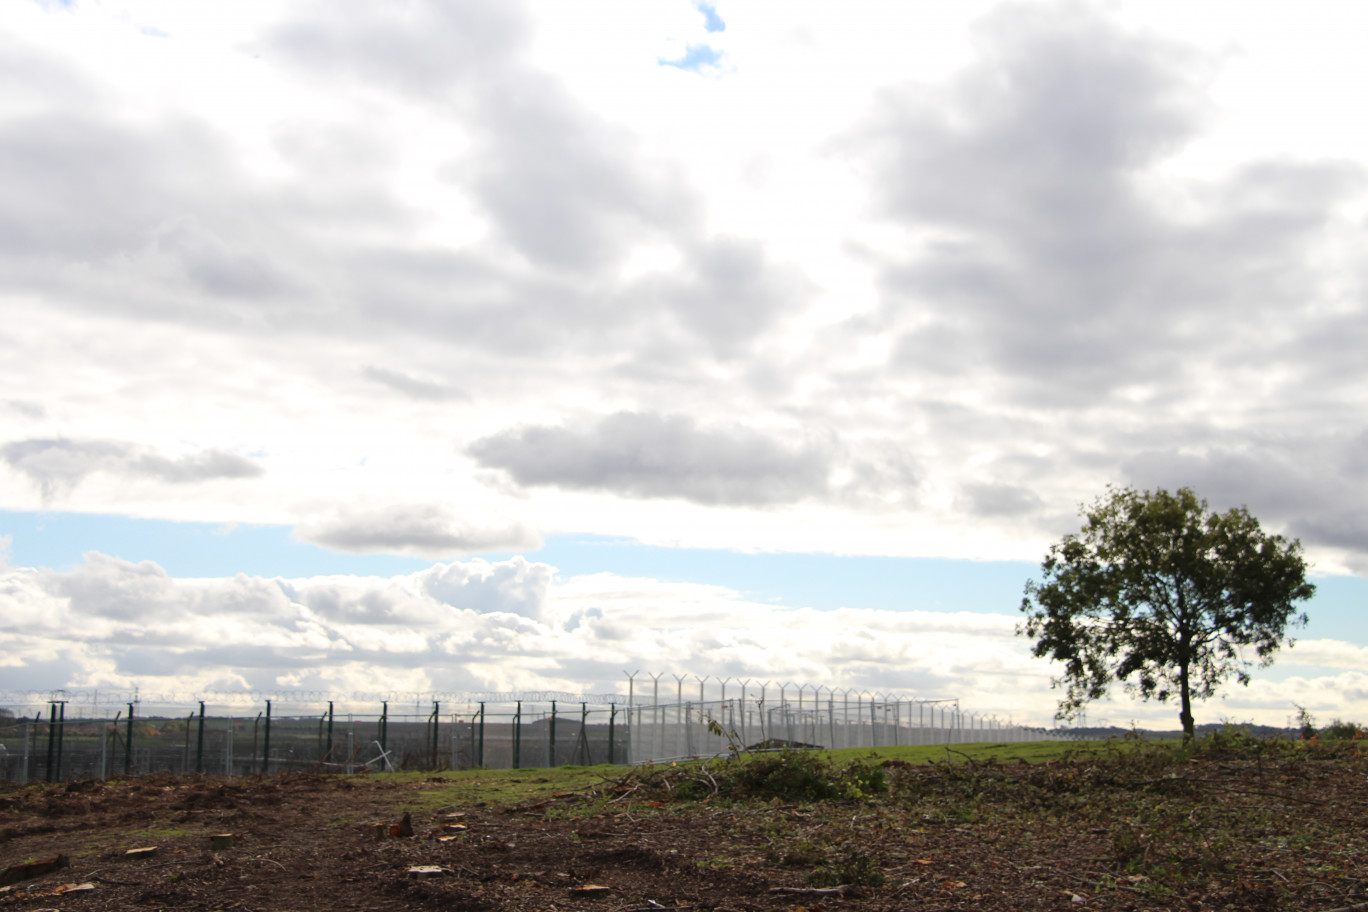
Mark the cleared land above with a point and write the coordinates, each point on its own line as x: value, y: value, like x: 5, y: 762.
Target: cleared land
x: 1235, y: 824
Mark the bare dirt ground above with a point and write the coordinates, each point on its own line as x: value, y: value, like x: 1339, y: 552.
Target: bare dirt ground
x: 1214, y: 832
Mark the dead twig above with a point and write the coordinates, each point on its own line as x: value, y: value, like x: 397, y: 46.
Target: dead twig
x: 814, y: 891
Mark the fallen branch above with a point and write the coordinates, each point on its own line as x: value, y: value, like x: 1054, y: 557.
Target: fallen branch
x: 814, y: 891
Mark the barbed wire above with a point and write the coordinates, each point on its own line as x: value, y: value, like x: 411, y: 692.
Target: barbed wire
x: 115, y: 697
x: 730, y: 690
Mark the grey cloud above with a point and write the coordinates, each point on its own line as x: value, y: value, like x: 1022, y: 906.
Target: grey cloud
x: 662, y: 456
x: 563, y: 187
x: 374, y: 606
x: 105, y: 587
x: 411, y: 386
x: 569, y: 192
x: 1055, y: 264
x: 516, y: 586
x: 57, y: 665
x: 1309, y: 486
x: 155, y: 219
x: 727, y: 293
x: 205, y: 466
x: 991, y: 499
x: 31, y: 77
x: 89, y: 188
x: 113, y: 589
x: 427, y: 530
x: 884, y: 474
x: 57, y: 465
x: 27, y: 408
x: 422, y: 49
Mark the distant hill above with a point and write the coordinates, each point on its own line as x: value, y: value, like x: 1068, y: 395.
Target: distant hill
x: 1101, y: 733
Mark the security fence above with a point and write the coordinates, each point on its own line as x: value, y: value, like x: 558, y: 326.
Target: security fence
x: 716, y: 728
x: 89, y: 734
x: 80, y: 736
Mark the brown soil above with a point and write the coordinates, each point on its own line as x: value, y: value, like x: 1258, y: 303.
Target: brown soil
x: 1240, y: 834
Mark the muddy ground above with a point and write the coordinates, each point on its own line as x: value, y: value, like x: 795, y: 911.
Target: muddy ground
x: 1246, y: 833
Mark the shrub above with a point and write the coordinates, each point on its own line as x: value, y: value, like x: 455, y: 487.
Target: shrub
x: 1340, y: 730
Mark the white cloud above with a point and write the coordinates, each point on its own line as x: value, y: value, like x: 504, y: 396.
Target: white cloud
x: 481, y: 626
x: 56, y: 466
x: 432, y: 278
x: 425, y: 530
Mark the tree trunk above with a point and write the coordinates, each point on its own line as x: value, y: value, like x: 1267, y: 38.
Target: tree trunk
x: 1185, y: 704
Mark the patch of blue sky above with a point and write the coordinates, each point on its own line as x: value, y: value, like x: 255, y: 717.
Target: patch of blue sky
x: 822, y: 581
x: 183, y: 549
x: 696, y: 58
x: 711, y: 21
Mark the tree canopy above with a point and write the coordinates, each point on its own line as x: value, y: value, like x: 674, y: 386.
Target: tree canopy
x: 1162, y: 594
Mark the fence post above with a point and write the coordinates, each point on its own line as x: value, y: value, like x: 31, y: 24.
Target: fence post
x: 612, y: 722
x: 330, y: 731
x: 185, y: 757
x: 657, y: 746
x: 384, y: 726
x: 517, y: 734
x: 61, y: 734
x: 436, y: 706
x: 199, y: 744
x: 551, y: 738
x: 47, y: 768
x: 585, y: 758
x: 52, y: 740
x: 104, y: 749
x: 480, y: 755
x: 744, y: 714
x: 128, y: 743
x: 266, y: 743
x: 30, y: 733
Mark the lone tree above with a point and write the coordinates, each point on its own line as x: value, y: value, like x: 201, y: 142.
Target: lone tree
x: 1160, y: 593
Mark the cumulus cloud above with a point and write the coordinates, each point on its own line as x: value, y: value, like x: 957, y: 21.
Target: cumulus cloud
x: 1050, y: 260
x: 990, y: 499
x: 645, y: 455
x: 57, y: 465
x: 28, y: 409
x: 426, y: 530
x: 421, y: 49
x: 482, y: 626
x: 414, y: 387
x: 1306, y: 486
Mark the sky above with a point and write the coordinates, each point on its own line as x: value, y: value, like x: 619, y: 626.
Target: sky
x: 517, y: 344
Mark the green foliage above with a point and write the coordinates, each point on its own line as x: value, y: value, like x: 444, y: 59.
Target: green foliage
x: 1340, y: 730
x: 1306, y: 723
x: 1163, y: 595
x: 851, y: 867
x: 797, y: 776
